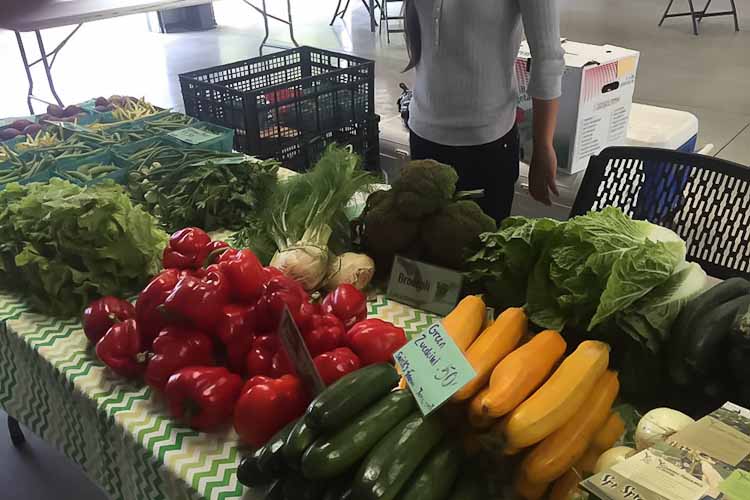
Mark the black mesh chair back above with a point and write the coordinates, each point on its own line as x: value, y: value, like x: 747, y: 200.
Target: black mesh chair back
x: 703, y: 199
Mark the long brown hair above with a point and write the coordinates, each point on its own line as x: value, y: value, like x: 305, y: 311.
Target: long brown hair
x: 412, y: 34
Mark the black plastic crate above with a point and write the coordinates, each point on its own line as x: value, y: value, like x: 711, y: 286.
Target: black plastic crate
x: 284, y: 102
x: 364, y: 137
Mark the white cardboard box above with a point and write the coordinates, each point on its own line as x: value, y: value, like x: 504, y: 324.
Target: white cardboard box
x: 597, y: 93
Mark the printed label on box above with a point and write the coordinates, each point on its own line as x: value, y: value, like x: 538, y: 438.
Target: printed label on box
x: 434, y: 367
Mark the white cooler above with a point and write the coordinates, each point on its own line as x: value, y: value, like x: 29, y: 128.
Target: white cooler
x: 649, y: 126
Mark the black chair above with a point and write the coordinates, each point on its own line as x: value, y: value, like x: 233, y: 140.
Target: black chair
x: 697, y: 15
x: 703, y: 199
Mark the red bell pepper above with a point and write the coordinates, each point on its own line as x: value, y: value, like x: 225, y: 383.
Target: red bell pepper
x: 346, y: 303
x: 198, y: 302
x: 150, y: 318
x: 244, y: 273
x: 203, y: 396
x: 335, y: 364
x: 281, y: 364
x: 375, y: 340
x: 266, y: 405
x: 102, y: 313
x: 278, y: 292
x: 176, y: 348
x: 187, y: 249
x: 122, y: 349
x: 235, y: 331
x: 214, y: 250
x: 260, y: 357
x: 324, y: 333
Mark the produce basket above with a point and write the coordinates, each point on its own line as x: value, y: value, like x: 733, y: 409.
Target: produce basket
x: 283, y: 104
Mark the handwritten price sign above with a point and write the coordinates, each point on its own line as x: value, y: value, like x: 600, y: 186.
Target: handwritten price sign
x: 434, y: 367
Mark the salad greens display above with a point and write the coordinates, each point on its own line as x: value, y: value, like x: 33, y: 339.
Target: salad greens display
x: 62, y: 245
x: 599, y: 271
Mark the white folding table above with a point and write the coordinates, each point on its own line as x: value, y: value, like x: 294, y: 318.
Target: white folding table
x: 60, y: 13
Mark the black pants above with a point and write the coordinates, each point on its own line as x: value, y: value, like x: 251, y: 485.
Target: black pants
x: 492, y: 167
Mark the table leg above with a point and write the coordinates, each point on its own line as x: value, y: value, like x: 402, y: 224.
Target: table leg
x: 335, y: 13
x: 28, y: 71
x: 666, y: 11
x: 372, y: 16
x: 693, y: 17
x: 703, y: 12
x: 265, y: 25
x: 291, y: 24
x: 46, y: 65
x: 734, y: 12
x: 16, y: 434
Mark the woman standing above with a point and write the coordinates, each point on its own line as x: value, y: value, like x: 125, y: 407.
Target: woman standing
x: 464, y: 105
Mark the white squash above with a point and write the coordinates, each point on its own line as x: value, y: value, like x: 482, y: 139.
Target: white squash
x: 657, y: 425
x: 613, y: 456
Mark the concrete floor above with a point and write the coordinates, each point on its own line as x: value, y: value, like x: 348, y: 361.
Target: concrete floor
x: 707, y: 75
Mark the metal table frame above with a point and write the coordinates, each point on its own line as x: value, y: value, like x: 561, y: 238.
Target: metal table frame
x: 288, y: 21
x: 370, y: 5
x: 46, y: 63
x: 47, y: 59
x: 698, y: 15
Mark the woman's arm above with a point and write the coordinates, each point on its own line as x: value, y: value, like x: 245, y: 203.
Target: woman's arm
x: 543, y: 168
x: 541, y: 21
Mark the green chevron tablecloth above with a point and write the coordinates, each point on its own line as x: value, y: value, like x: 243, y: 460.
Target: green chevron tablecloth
x: 119, y: 433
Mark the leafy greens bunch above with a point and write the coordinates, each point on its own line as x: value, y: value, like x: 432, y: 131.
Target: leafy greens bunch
x: 206, y: 189
x: 599, y: 272
x: 62, y: 245
x: 304, y: 224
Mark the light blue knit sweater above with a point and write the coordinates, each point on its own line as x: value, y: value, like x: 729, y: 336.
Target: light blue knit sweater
x: 466, y: 92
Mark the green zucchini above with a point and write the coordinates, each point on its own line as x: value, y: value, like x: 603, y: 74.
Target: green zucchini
x: 682, y: 330
x: 297, y: 487
x: 739, y: 351
x: 436, y: 475
x: 349, y: 395
x: 338, y: 488
x: 394, y: 459
x: 704, y: 348
x: 300, y: 438
x: 333, y: 454
x: 275, y: 491
x: 249, y: 473
x: 272, y: 461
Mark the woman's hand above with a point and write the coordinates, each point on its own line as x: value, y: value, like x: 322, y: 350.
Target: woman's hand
x: 542, y: 173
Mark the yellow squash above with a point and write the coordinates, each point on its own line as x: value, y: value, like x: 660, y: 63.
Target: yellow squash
x: 465, y: 320
x: 528, y: 490
x: 555, y: 402
x: 521, y: 372
x: 566, y: 487
x: 493, y: 344
x: 558, y: 452
x: 477, y: 419
x: 604, y: 439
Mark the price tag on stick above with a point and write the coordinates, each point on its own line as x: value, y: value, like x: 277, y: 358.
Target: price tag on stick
x: 434, y: 367
x: 294, y: 345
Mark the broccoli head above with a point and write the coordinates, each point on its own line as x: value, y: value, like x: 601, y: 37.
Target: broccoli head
x: 452, y: 234
x: 385, y: 231
x: 423, y: 188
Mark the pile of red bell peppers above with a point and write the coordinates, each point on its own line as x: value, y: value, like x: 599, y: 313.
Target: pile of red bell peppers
x: 203, y: 333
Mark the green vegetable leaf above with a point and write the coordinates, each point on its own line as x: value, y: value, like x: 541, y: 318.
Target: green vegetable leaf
x: 63, y: 245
